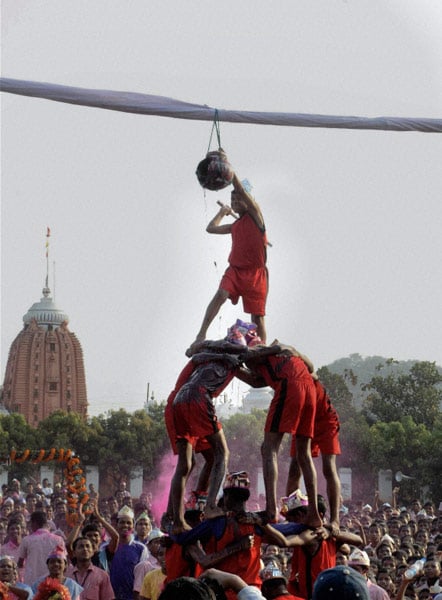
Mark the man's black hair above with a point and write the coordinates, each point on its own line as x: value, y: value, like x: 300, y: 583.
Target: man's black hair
x: 188, y: 588
x: 90, y: 527
x: 39, y: 518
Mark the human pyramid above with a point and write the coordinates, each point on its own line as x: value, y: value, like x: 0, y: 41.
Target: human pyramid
x: 300, y: 406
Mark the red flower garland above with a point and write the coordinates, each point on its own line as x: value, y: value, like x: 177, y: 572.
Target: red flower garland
x: 52, y: 589
x: 76, y: 482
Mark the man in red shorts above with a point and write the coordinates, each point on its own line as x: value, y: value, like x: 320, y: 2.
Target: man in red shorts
x: 292, y: 410
x: 194, y: 420
x: 326, y: 441
x: 202, y: 446
x: 247, y: 274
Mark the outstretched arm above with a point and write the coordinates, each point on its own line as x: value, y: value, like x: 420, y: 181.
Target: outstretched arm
x: 250, y: 377
x: 204, y: 357
x: 113, y: 533
x: 209, y: 560
x: 257, y: 354
x: 217, y: 345
x: 252, y: 206
x: 229, y: 581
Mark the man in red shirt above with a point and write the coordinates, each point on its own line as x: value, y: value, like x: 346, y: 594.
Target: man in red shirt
x: 274, y: 585
x: 247, y: 274
x: 318, y: 551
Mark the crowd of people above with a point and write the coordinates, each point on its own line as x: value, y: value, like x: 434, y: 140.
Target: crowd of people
x: 117, y: 551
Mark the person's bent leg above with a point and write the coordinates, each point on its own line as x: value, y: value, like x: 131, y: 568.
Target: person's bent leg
x: 333, y: 488
x: 259, y: 321
x: 220, y: 460
x: 305, y: 460
x: 269, y: 453
x: 178, y: 485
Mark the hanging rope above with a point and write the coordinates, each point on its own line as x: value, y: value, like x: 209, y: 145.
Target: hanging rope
x: 215, y: 127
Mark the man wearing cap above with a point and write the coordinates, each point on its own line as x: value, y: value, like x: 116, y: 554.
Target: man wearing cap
x: 128, y: 554
x: 227, y: 531
x: 274, y: 585
x: 150, y: 563
x: 360, y: 562
x: 340, y: 583
x: 56, y: 566
x: 153, y: 581
x: 143, y: 527
x: 7, y: 507
x: 36, y: 546
x: 317, y: 550
x: 247, y: 274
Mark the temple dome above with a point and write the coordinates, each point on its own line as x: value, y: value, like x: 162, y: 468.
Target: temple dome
x: 45, y: 312
x: 257, y: 398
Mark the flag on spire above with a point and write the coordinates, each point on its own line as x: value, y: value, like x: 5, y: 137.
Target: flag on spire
x: 48, y: 233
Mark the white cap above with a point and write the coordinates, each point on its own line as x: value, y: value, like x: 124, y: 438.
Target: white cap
x: 359, y: 557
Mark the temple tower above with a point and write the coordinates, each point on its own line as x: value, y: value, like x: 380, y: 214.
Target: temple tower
x: 45, y: 370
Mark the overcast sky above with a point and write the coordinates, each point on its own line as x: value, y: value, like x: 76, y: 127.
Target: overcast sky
x: 354, y: 216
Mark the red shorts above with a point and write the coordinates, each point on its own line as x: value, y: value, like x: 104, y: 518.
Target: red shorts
x: 251, y: 285
x: 326, y: 433
x: 292, y: 409
x: 201, y: 445
x: 196, y: 420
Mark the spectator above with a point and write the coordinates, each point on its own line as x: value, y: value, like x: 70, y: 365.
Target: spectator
x: 143, y: 527
x: 128, y: 554
x: 274, y: 585
x: 8, y: 575
x: 340, y: 583
x: 56, y: 563
x: 361, y: 563
x: 153, y: 581
x: 94, y: 581
x: 36, y: 546
x: 46, y: 488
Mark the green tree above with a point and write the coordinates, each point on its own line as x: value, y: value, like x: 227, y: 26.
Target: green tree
x: 340, y: 396
x: 65, y: 430
x: 416, y: 394
x: 402, y: 446
x: 131, y: 440
x: 431, y: 461
x: 17, y: 435
x: 355, y: 443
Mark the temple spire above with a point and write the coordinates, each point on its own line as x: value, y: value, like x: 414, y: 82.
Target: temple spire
x: 46, y: 290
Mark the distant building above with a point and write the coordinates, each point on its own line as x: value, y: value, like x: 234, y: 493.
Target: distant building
x: 257, y: 398
x: 45, y: 370
x: 253, y: 398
